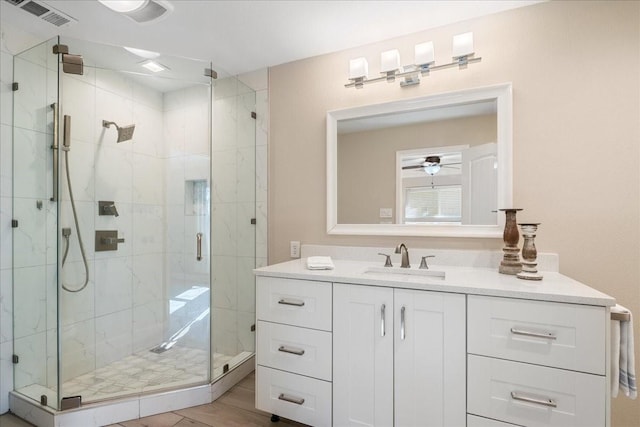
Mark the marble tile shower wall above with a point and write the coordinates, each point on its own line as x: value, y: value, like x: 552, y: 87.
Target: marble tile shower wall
x: 6, y: 315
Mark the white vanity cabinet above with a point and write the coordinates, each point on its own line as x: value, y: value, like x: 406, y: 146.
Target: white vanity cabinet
x: 398, y: 357
x: 536, y: 363
x: 354, y: 346
x: 293, y: 350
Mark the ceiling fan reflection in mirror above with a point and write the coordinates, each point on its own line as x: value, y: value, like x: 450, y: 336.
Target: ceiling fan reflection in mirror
x: 431, y: 164
x: 447, y: 163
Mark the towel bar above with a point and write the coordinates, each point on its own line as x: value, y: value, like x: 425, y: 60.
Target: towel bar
x: 623, y: 317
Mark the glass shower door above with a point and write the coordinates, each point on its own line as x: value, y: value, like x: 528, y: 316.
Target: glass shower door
x: 34, y: 235
x: 233, y: 224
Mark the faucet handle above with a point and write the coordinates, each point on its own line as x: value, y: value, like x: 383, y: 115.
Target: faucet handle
x: 423, y: 263
x: 387, y: 262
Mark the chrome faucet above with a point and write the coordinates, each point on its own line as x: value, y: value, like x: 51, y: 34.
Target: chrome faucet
x: 405, y: 255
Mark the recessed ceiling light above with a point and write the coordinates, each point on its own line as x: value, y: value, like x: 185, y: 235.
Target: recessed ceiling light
x: 153, y: 66
x: 146, y: 54
x: 124, y: 6
x: 141, y: 11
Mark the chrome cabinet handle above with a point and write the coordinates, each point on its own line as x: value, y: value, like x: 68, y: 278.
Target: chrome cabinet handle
x: 402, y: 333
x: 296, y: 400
x: 382, y: 316
x: 545, y: 401
x: 297, y: 352
x: 547, y: 335
x: 199, y: 246
x: 296, y: 303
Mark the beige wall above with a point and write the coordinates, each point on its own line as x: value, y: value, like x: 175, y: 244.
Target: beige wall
x: 575, y: 69
x: 367, y: 161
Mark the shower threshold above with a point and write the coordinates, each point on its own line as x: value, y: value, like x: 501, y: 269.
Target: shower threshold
x: 132, y: 407
x: 141, y: 373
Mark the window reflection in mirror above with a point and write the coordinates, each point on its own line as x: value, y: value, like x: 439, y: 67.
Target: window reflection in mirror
x: 432, y: 166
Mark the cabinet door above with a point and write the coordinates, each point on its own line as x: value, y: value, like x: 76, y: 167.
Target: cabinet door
x: 430, y: 362
x: 362, y: 356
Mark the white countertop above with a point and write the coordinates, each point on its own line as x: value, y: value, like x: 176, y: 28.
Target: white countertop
x: 467, y: 280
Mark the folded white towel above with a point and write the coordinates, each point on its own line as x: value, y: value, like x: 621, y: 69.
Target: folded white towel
x: 623, y: 373
x: 319, y: 263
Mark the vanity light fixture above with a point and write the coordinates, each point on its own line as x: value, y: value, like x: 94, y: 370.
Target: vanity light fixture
x: 390, y: 64
x: 153, y: 66
x: 424, y: 61
x: 463, y: 48
x: 424, y: 56
x: 358, y: 71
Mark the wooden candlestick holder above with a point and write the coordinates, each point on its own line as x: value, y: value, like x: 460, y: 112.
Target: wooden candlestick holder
x: 510, y: 263
x: 529, y: 253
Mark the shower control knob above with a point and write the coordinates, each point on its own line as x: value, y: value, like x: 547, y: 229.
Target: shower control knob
x: 107, y: 240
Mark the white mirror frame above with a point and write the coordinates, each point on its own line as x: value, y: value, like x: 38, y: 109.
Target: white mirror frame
x: 502, y: 93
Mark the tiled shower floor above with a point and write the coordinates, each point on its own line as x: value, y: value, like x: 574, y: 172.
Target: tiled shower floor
x: 139, y: 373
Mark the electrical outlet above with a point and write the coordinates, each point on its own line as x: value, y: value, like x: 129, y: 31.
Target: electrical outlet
x: 386, y: 212
x: 294, y: 249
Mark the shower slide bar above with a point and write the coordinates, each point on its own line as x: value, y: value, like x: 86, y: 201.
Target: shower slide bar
x: 54, y: 147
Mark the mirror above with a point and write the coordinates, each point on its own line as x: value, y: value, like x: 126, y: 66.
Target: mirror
x: 438, y: 165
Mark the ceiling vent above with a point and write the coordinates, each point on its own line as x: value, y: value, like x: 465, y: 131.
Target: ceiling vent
x: 44, y: 12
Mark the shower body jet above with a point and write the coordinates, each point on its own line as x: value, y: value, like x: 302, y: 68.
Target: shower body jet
x: 125, y: 133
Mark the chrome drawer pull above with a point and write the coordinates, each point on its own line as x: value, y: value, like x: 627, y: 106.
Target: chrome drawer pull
x: 540, y: 401
x: 547, y: 335
x: 297, y: 401
x: 402, y: 333
x: 297, y: 303
x: 291, y: 350
x: 382, y: 327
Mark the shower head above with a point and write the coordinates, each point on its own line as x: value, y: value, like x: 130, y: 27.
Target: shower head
x: 125, y: 133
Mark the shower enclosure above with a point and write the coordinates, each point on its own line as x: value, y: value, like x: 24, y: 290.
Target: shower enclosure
x: 134, y: 194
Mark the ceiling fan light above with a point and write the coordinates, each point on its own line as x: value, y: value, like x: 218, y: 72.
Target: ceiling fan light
x: 431, y: 168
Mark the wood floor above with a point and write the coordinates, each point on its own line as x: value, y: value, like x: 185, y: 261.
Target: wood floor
x: 233, y: 409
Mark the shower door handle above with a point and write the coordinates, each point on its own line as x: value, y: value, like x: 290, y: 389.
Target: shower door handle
x: 199, y: 247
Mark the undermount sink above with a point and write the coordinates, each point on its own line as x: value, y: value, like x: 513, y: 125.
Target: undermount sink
x: 436, y: 274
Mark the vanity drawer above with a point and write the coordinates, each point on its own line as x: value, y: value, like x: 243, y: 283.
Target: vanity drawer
x: 298, y: 350
x: 474, y: 421
x: 569, y: 336
x: 294, y: 302
x: 534, y: 395
x: 292, y: 396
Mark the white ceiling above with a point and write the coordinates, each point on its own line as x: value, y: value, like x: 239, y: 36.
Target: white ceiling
x: 241, y: 36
